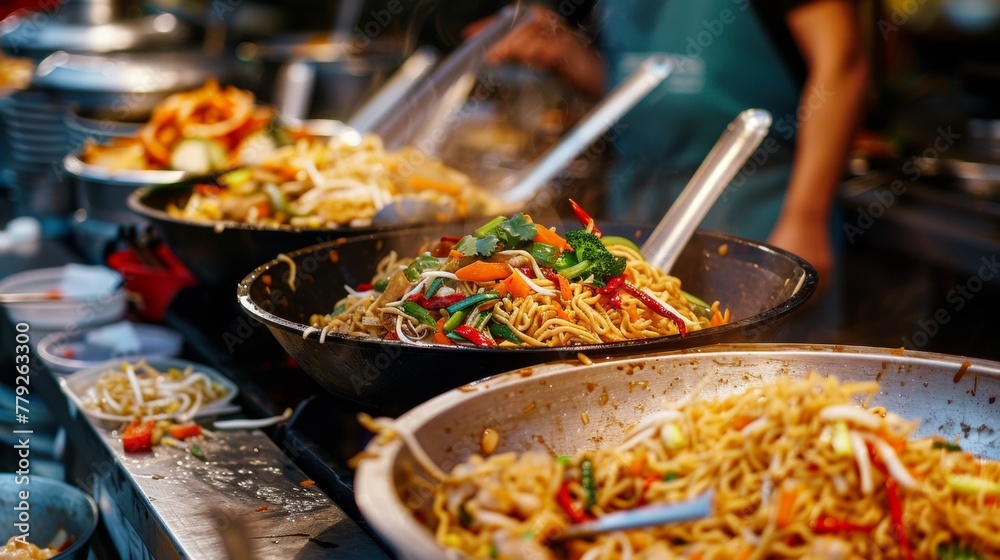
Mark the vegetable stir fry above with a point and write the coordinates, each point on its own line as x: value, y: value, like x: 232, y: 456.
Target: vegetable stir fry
x: 513, y: 282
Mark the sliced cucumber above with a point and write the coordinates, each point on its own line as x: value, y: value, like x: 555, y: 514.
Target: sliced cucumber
x: 255, y: 147
x: 616, y: 240
x: 199, y: 155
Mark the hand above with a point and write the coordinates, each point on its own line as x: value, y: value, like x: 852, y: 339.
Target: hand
x: 547, y: 43
x: 810, y: 240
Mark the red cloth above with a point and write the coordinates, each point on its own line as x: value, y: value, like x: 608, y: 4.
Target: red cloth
x: 8, y: 7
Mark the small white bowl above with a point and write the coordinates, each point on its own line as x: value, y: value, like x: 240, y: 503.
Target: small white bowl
x: 67, y: 353
x: 86, y: 310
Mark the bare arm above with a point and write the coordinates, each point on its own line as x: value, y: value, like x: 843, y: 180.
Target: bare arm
x: 547, y: 43
x: 830, y: 105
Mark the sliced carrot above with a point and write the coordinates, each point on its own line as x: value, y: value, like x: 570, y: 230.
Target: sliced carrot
x: 517, y: 287
x: 719, y: 318
x: 741, y: 422
x: 633, y: 312
x: 564, y: 290
x: 559, y: 311
x: 745, y: 553
x: 455, y: 254
x: 482, y: 271
x: 786, y: 506
x: 501, y: 287
x: 263, y: 210
x: 423, y: 182
x: 638, y: 463
x: 439, y: 335
x: 545, y: 235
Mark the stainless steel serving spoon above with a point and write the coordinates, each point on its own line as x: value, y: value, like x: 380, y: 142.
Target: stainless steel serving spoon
x: 527, y: 184
x: 729, y: 154
x: 699, y: 507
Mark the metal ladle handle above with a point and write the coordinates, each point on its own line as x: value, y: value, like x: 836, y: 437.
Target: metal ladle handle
x: 403, y: 125
x: 733, y: 149
x: 602, y: 117
x: 394, y: 90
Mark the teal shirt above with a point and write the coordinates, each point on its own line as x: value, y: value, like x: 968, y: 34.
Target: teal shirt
x: 726, y: 62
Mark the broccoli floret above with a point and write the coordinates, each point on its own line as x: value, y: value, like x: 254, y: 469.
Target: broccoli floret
x: 593, y: 258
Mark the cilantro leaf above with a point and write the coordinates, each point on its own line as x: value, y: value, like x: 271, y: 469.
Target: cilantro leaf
x: 466, y: 245
x: 470, y: 246
x: 516, y: 230
x: 486, y: 246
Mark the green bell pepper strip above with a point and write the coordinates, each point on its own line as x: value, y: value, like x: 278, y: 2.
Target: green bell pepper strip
x: 381, y: 285
x: 587, y: 478
x: 422, y: 263
x: 545, y: 254
x: 504, y: 332
x: 419, y: 313
x: 698, y: 305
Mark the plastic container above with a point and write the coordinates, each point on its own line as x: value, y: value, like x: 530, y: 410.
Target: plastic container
x: 152, y: 287
x: 102, y: 305
x: 67, y: 353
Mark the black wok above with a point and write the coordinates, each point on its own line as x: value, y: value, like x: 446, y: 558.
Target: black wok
x: 221, y: 253
x: 760, y: 284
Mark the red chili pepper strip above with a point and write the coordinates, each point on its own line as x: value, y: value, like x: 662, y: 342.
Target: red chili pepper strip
x: 552, y: 275
x: 584, y: 218
x: 828, y: 524
x: 646, y: 484
x: 612, y: 285
x: 450, y: 239
x: 208, y: 190
x: 436, y: 302
x: 474, y: 336
x: 565, y: 501
x: 651, y: 302
x: 896, y: 513
x: 365, y: 287
x: 613, y: 301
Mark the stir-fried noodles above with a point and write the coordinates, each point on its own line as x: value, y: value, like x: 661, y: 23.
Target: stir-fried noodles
x: 798, y: 470
x: 515, y: 283
x: 211, y: 128
x: 326, y: 183
x: 140, y: 390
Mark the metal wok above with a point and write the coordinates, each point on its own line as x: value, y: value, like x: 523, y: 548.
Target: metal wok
x: 540, y: 408
x: 761, y: 286
x: 221, y: 253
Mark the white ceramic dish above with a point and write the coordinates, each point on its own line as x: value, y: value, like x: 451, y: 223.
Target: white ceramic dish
x: 80, y: 385
x: 67, y: 353
x: 101, y: 307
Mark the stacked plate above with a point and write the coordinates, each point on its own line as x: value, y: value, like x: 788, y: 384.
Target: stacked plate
x: 36, y: 140
x: 80, y: 129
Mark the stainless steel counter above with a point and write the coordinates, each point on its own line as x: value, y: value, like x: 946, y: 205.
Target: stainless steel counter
x: 168, y: 504
x: 181, y: 507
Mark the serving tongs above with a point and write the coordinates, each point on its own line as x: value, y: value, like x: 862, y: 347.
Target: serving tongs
x: 422, y: 118
x: 521, y: 188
